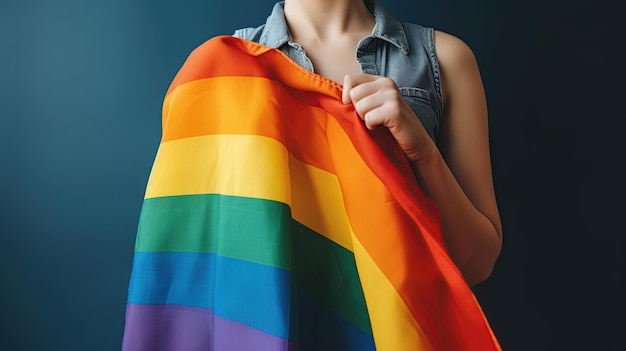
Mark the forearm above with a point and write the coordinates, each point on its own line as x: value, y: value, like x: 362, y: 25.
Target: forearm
x: 472, y: 239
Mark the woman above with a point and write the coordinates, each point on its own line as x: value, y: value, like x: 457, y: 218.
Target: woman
x: 425, y: 87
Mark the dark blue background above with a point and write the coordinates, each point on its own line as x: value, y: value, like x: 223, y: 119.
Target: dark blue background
x: 81, y: 86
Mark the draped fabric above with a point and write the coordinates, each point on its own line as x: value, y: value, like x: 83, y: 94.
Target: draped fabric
x: 274, y: 220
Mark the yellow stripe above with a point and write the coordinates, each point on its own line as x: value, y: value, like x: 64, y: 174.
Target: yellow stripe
x: 252, y: 166
x: 221, y: 164
x: 393, y: 325
x: 317, y: 202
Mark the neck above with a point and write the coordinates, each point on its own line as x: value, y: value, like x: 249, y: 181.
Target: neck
x: 327, y: 18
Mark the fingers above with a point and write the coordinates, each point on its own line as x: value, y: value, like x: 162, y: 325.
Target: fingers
x: 358, y: 85
x: 370, y: 108
x: 375, y: 116
x: 374, y: 97
x: 350, y: 81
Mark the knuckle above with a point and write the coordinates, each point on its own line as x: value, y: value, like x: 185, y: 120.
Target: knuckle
x: 368, y: 117
x: 391, y: 95
x: 348, y: 78
x: 353, y: 93
x: 394, y: 107
x: 388, y: 82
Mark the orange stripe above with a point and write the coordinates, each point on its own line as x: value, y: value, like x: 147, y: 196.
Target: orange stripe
x: 203, y: 107
x: 220, y: 106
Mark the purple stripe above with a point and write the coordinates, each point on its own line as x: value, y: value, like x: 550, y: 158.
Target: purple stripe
x: 175, y: 328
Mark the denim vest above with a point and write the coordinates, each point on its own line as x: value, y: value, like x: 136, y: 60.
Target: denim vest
x: 400, y: 51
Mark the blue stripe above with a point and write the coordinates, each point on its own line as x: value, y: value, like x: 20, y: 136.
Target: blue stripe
x: 245, y: 292
x: 320, y: 329
x: 241, y: 291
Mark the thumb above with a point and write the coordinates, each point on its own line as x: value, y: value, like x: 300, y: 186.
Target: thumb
x: 348, y: 83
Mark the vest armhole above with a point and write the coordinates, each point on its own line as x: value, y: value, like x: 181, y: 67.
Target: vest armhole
x: 425, y: 36
x: 434, y: 61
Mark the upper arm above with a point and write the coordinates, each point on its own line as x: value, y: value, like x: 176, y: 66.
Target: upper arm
x: 464, y: 138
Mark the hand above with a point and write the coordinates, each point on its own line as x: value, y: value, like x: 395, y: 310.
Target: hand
x: 378, y: 101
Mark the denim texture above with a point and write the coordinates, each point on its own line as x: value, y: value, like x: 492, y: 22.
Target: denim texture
x: 401, y: 51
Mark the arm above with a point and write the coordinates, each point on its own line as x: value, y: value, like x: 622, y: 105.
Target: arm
x: 457, y: 175
x: 462, y: 186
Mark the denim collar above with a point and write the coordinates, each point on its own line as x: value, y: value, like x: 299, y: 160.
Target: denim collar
x: 276, y: 33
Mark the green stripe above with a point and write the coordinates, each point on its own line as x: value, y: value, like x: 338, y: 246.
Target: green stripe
x: 249, y: 229
x: 260, y: 231
x: 327, y: 272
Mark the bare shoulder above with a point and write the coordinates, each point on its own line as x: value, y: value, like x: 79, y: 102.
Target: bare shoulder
x: 452, y: 51
x: 456, y: 59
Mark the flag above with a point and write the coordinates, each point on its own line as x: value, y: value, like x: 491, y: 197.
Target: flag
x: 274, y: 220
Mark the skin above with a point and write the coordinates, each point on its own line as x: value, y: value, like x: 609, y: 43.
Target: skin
x: 455, y: 173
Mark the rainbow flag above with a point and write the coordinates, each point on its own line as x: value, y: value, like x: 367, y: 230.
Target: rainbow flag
x: 274, y: 220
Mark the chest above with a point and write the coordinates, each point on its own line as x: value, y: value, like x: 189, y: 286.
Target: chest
x: 334, y: 63
x: 333, y: 60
